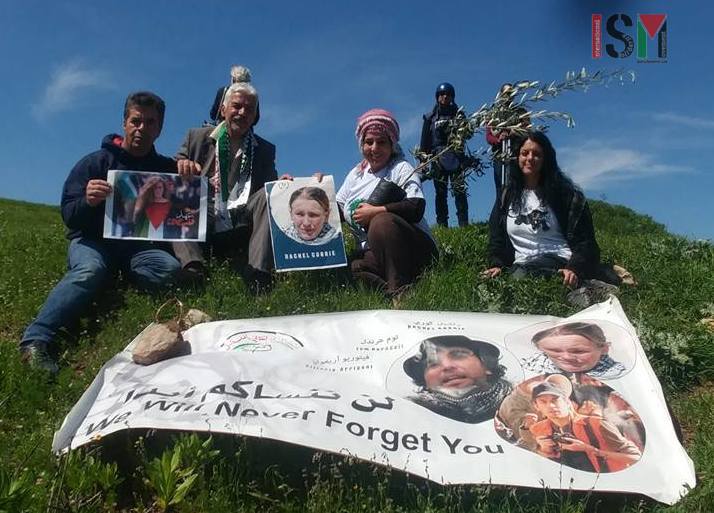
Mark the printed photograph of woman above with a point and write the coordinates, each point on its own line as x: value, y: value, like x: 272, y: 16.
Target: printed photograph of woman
x: 309, y: 216
x: 305, y: 228
x: 155, y: 206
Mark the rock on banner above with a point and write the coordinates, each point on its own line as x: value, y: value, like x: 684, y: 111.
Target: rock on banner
x: 453, y: 397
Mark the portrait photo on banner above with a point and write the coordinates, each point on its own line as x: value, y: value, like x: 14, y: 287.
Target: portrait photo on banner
x: 155, y: 206
x: 460, y: 377
x: 305, y: 224
x: 574, y: 420
x: 598, y: 348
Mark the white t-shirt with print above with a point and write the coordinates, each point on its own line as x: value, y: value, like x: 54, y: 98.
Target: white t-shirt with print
x: 534, y: 231
x: 360, y: 183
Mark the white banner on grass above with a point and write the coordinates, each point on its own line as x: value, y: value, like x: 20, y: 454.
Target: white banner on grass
x: 453, y: 397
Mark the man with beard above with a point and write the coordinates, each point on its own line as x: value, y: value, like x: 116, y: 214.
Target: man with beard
x: 459, y: 378
x: 449, y: 166
x: 238, y: 163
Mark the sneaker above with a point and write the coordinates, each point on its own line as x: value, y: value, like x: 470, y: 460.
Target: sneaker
x: 579, y: 297
x: 35, y: 354
x: 398, y: 294
x: 600, y: 290
x: 592, y: 291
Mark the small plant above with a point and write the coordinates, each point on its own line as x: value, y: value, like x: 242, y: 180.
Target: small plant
x: 195, y: 451
x: 85, y: 483
x: 15, y: 491
x: 170, y: 480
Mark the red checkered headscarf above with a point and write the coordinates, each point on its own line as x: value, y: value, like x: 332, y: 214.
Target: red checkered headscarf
x: 378, y: 121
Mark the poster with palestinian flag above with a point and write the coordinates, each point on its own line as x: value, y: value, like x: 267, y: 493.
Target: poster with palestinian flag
x: 155, y: 206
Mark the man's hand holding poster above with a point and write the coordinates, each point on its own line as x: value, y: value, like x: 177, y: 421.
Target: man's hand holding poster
x: 453, y: 397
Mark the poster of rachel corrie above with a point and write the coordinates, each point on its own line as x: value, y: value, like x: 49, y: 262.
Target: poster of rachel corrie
x: 155, y: 206
x: 445, y: 395
x: 305, y: 224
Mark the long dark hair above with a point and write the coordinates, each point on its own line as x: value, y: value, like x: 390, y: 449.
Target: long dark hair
x: 552, y: 180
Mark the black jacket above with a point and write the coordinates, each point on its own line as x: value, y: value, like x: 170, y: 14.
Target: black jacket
x: 426, y: 141
x: 83, y: 220
x: 574, y: 217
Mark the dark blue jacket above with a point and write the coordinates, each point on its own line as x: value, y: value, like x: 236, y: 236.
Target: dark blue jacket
x: 85, y: 221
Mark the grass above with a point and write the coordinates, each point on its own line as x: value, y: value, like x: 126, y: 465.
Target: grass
x: 139, y: 472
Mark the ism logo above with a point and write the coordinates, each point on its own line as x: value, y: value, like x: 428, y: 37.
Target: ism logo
x: 651, y: 34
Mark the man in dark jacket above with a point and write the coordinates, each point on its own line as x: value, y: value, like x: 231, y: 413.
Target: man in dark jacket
x: 91, y: 259
x: 434, y: 138
x: 238, y: 163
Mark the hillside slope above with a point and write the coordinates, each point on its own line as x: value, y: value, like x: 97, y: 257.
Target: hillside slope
x: 675, y: 290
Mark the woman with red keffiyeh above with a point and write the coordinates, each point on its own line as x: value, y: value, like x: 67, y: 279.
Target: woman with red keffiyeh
x: 382, y: 201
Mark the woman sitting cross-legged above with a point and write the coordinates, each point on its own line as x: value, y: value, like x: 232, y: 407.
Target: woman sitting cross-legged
x: 382, y: 201
x: 541, y: 225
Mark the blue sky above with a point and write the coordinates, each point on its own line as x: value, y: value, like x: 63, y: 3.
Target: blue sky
x: 67, y: 67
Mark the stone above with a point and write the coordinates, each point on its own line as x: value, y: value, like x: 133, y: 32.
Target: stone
x: 625, y: 276
x: 159, y: 341
x: 195, y: 316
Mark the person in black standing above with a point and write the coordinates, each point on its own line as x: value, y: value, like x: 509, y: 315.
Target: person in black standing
x: 449, y: 166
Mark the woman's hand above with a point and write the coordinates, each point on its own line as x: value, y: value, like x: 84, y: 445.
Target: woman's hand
x: 187, y: 168
x: 365, y: 212
x: 491, y: 272
x: 286, y: 176
x: 142, y: 199
x: 570, y: 279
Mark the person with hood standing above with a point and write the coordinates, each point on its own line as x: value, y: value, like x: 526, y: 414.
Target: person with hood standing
x: 449, y: 166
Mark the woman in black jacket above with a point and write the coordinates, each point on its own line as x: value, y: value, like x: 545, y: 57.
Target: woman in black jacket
x: 541, y: 225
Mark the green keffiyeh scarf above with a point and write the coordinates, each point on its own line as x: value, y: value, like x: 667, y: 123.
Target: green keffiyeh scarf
x: 223, y: 142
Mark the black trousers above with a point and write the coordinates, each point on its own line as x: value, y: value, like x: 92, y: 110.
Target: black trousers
x: 458, y: 190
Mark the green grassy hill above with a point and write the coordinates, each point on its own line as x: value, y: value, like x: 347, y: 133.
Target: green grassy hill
x: 675, y: 291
